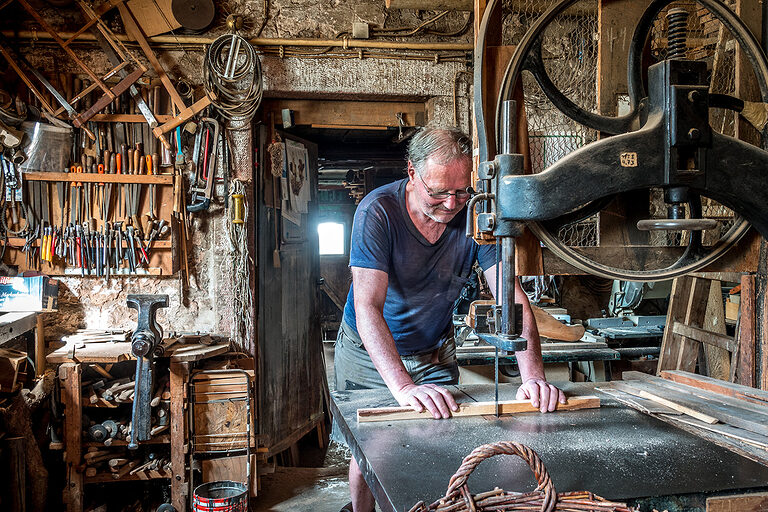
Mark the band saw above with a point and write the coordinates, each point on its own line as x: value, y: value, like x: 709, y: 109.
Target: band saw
x: 665, y: 141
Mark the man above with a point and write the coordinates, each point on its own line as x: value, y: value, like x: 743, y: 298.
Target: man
x: 409, y: 259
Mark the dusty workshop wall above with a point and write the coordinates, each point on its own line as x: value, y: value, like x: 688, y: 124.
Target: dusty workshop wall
x: 436, y: 77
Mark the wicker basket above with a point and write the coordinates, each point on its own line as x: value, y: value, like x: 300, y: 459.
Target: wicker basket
x: 544, y: 498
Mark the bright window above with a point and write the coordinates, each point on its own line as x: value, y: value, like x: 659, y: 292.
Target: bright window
x: 331, y: 236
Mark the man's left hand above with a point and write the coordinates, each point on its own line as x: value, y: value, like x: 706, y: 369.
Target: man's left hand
x: 541, y: 393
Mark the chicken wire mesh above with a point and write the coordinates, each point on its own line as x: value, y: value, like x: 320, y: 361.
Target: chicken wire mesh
x: 570, y: 53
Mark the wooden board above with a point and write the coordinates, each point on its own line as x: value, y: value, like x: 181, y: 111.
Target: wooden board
x: 348, y: 114
x: 219, y: 411
x: 718, y: 360
x: 154, y: 16
x: 231, y: 468
x: 722, y: 387
x: 632, y: 389
x: 746, y: 366
x: 121, y: 351
x: 473, y: 409
x: 179, y: 487
x: 738, y: 416
x: 757, y: 502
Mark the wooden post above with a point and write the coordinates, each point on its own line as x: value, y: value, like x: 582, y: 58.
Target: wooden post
x: 39, y: 346
x: 745, y: 372
x: 750, y: 12
x: 71, y: 376
x: 18, y: 468
x: 179, y: 486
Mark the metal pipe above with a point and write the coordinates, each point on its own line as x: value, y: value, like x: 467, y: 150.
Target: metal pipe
x: 256, y: 41
x: 508, y: 285
x: 508, y: 140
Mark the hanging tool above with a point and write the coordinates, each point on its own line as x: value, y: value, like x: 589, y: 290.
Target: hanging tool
x: 202, y: 189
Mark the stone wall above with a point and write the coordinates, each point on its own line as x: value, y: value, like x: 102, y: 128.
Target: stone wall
x: 430, y: 76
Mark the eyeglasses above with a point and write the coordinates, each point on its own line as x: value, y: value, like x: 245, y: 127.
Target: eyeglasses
x: 460, y: 195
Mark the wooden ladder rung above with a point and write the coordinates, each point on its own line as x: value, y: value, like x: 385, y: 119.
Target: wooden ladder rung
x: 91, y: 87
x: 82, y: 29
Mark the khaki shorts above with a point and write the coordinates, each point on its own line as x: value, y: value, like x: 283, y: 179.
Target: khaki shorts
x: 355, y: 370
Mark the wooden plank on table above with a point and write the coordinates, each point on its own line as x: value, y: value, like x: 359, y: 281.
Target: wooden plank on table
x: 190, y: 353
x: 632, y: 389
x: 702, y: 335
x: 754, y: 502
x: 745, y: 370
x: 738, y: 406
x: 91, y: 353
x: 742, y: 416
x: 721, y: 387
x: 643, y: 405
x: 473, y: 409
x: 739, y: 434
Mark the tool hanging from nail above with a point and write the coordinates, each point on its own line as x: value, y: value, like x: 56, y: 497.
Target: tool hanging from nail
x: 202, y: 186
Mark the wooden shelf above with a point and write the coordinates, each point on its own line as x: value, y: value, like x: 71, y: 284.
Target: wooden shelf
x: 128, y: 118
x: 106, y: 404
x: 20, y: 242
x: 163, y: 439
x: 89, y: 177
x: 141, y: 475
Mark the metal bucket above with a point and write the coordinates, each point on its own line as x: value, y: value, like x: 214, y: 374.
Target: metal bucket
x: 221, y: 496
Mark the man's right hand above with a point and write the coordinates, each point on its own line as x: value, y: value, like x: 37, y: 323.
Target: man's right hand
x: 438, y: 401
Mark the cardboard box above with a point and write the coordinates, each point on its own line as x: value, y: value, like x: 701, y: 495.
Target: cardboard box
x: 38, y: 293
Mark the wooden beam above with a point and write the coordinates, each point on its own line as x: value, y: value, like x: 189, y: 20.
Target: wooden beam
x: 39, y: 346
x: 343, y: 114
x: 70, y: 375
x: 179, y: 486
x: 745, y: 371
x: 704, y: 336
x: 755, y: 502
x: 473, y: 409
x: 717, y: 386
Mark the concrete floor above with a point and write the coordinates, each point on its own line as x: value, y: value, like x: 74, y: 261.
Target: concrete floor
x: 318, y: 489
x: 321, y: 488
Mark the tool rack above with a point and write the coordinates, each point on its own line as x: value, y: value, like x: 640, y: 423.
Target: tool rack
x: 101, y: 355
x: 162, y: 256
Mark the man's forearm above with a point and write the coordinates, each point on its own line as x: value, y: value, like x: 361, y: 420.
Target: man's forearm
x: 380, y: 345
x: 529, y: 361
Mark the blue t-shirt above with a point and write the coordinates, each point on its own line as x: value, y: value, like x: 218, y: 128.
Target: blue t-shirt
x: 424, y: 279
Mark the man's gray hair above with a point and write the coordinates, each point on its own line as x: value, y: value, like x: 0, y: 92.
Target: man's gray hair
x: 441, y: 144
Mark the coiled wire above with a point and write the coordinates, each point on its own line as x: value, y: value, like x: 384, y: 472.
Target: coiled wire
x: 233, y: 75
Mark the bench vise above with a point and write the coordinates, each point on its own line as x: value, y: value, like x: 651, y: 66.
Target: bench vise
x: 145, y: 342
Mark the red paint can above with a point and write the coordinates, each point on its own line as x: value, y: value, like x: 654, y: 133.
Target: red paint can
x: 221, y: 496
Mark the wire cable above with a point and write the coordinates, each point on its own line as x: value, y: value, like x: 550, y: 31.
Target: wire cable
x: 233, y: 76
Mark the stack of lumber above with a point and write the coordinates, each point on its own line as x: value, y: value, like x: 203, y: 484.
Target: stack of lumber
x: 729, y: 414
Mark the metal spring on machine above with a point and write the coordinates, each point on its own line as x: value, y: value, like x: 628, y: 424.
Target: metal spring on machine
x: 677, y: 33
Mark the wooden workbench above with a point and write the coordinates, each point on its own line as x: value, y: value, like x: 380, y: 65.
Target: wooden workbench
x: 72, y: 358
x: 616, y: 452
